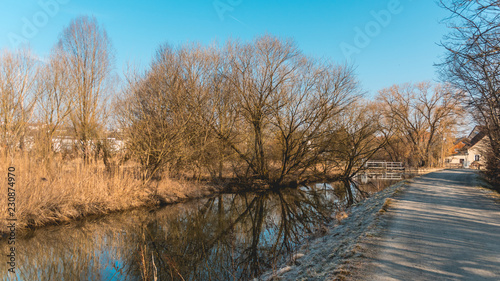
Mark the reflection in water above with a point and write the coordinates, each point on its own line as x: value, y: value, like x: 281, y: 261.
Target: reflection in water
x: 228, y: 237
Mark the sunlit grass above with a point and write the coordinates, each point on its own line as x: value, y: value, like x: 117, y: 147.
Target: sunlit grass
x: 54, y: 191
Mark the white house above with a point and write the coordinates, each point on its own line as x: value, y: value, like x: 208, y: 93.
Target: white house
x: 472, y: 154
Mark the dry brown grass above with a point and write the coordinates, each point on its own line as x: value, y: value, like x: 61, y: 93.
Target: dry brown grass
x: 389, y: 202
x: 340, y: 216
x: 49, y: 192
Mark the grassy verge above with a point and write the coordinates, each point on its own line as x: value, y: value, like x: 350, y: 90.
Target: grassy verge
x: 488, y: 186
x: 52, y: 192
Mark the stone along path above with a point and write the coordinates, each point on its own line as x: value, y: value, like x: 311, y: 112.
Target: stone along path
x: 443, y: 227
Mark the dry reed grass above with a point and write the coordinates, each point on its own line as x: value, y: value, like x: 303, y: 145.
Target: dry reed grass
x: 52, y: 191
x: 389, y: 202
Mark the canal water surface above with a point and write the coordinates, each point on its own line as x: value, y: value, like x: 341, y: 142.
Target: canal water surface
x: 226, y: 237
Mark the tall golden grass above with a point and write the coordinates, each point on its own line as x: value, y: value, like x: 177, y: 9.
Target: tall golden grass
x: 51, y: 191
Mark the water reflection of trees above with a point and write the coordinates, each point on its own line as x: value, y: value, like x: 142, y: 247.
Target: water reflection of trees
x: 234, y: 237
x: 228, y: 237
x: 81, y: 252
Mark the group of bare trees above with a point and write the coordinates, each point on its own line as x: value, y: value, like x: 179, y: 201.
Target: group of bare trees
x: 417, y: 119
x: 41, y: 98
x: 260, y: 110
x: 265, y: 112
x: 472, y: 65
x: 86, y: 52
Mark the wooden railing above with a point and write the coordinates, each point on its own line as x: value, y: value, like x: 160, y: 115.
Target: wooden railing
x: 384, y: 170
x: 384, y: 165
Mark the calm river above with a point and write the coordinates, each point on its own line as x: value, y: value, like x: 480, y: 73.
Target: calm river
x: 227, y: 237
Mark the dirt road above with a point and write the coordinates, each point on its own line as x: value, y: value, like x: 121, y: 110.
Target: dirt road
x: 441, y: 228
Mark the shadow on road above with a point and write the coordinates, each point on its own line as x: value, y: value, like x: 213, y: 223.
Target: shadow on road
x: 442, y: 228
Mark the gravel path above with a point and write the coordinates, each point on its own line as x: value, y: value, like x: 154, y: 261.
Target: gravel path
x: 442, y: 227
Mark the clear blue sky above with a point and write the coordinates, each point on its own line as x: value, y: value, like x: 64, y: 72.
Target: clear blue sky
x: 399, y: 43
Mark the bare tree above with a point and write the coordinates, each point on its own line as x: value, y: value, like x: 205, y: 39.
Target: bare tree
x: 286, y: 101
x: 220, y: 114
x: 419, y: 112
x: 259, y: 73
x: 55, y: 102
x: 87, y: 55
x: 18, y: 95
x: 211, y: 100
x: 156, y: 114
x: 310, y: 105
x: 472, y: 64
x: 357, y: 136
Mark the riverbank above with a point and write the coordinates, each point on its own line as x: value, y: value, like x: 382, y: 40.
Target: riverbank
x: 48, y: 193
x: 58, y: 191
x: 328, y: 257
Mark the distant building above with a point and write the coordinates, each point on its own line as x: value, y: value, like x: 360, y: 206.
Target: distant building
x: 116, y: 145
x: 64, y: 141
x: 469, y: 152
